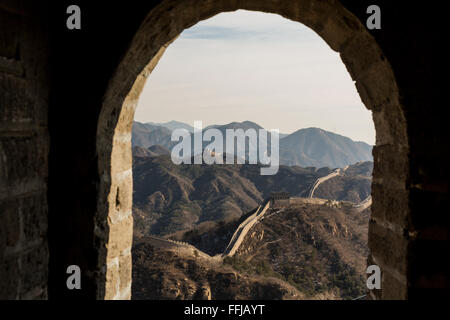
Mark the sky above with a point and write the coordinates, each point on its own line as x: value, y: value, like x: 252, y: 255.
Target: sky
x: 259, y: 67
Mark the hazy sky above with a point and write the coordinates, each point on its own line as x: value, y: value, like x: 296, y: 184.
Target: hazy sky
x: 255, y: 66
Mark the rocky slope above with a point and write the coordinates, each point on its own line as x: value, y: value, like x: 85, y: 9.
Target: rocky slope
x: 353, y: 185
x: 319, y: 249
x: 302, y: 252
x: 169, y: 198
x: 316, y: 248
x: 169, y: 273
x: 299, y: 252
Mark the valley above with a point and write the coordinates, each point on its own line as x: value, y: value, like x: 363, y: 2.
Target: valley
x: 215, y: 232
x: 300, y: 251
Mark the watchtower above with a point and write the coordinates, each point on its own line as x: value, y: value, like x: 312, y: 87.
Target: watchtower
x: 280, y: 199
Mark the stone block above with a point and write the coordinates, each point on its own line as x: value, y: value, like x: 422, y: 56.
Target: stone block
x: 388, y: 247
x: 17, y: 107
x: 389, y: 129
x: 390, y: 205
x: 120, y: 237
x: 22, y: 159
x: 125, y: 271
x: 360, y: 55
x: 122, y: 158
x: 10, y: 282
x: 10, y: 227
x: 34, y: 215
x: 122, y: 200
x: 340, y: 31
x: 112, y: 281
x: 124, y: 193
x: 390, y: 164
x: 34, y: 269
x: 10, y: 29
x: 392, y: 288
x: 377, y: 87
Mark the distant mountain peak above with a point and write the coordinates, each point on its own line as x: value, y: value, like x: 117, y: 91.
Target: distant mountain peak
x: 307, y: 147
x: 241, y: 125
x: 252, y: 124
x: 320, y: 148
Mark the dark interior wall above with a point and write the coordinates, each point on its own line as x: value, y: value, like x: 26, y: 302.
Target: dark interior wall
x: 416, y: 54
x: 24, y: 94
x: 411, y: 39
x: 81, y: 64
x: 83, y: 61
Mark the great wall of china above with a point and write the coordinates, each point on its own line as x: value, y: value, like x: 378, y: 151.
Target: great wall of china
x: 259, y: 214
x: 335, y: 173
x: 180, y: 245
x: 363, y: 205
x: 244, y: 227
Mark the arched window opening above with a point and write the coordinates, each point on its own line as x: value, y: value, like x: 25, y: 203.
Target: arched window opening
x: 368, y: 68
x: 301, y: 231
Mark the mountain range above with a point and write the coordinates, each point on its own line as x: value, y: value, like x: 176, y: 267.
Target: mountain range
x: 310, y: 147
x: 169, y: 198
x: 303, y: 251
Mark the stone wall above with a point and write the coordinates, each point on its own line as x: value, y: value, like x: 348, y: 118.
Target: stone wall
x: 24, y: 145
x: 95, y: 76
x: 280, y: 202
x: 381, y: 62
x: 344, y: 33
x: 314, y: 201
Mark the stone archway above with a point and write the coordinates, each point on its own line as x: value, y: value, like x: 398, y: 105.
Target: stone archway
x: 373, y: 78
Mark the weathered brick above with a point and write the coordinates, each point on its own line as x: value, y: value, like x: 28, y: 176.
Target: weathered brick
x: 120, y: 237
x: 386, y: 132
x: 392, y: 288
x: 122, y: 200
x: 112, y: 281
x: 391, y: 164
x: 17, y: 107
x: 388, y: 247
x: 125, y: 271
x: 10, y: 29
x: 367, y: 51
x: 34, y: 269
x: 23, y: 219
x: 9, y: 271
x: 22, y: 159
x: 10, y: 228
x: 377, y: 88
x: 390, y: 204
x: 339, y: 32
x: 34, y: 215
x: 122, y: 157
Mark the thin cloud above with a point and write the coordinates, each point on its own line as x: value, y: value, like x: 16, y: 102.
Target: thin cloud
x: 255, y: 66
